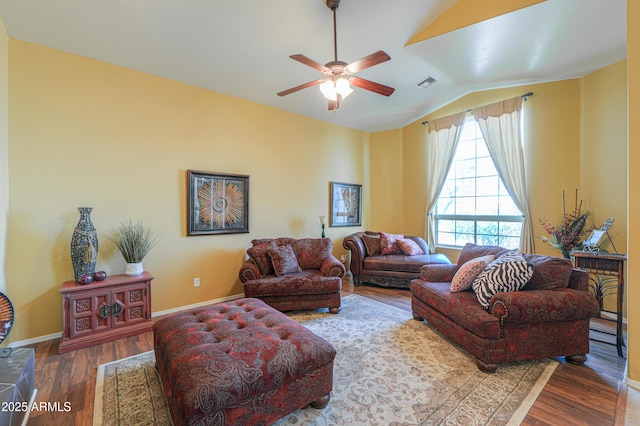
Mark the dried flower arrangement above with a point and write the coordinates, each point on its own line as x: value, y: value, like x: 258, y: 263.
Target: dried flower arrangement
x: 567, y: 235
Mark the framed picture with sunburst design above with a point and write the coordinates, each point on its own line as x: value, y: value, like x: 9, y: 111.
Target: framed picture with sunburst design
x: 346, y: 201
x: 218, y: 203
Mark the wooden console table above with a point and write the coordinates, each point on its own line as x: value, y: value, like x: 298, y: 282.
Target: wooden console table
x: 102, y: 311
x: 608, y: 268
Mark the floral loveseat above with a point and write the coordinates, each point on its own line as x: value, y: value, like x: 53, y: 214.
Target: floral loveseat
x: 290, y: 274
x: 543, y: 312
x: 377, y: 258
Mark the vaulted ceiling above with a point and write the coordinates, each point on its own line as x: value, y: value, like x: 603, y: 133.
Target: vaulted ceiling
x: 242, y: 47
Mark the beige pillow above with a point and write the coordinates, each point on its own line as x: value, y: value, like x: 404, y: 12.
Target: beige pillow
x: 463, y: 279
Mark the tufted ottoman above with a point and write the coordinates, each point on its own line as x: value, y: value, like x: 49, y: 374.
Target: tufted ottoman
x: 240, y: 363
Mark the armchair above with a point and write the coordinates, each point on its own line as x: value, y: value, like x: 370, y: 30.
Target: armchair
x: 291, y: 274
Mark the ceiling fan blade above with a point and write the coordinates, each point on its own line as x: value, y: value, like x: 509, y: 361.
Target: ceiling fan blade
x: 368, y: 61
x: 372, y: 86
x: 310, y: 62
x: 302, y: 86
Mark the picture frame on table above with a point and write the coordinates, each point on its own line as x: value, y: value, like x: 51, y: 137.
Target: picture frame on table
x: 217, y: 203
x: 595, y: 238
x: 346, y: 204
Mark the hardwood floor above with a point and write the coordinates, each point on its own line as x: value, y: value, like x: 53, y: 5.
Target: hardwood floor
x: 575, y: 395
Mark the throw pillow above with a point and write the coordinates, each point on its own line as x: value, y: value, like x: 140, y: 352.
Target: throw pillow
x: 549, y: 273
x: 371, y: 244
x: 463, y: 279
x: 311, y: 252
x: 509, y: 272
x: 284, y: 260
x: 409, y: 247
x: 389, y: 243
x: 259, y: 254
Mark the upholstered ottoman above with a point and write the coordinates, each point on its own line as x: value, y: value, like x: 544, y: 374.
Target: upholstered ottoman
x: 240, y: 363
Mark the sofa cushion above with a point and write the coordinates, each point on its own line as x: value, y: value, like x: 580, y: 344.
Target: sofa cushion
x: 284, y: 260
x: 372, y: 244
x: 259, y: 254
x: 389, y: 243
x: 462, y: 307
x: 463, y: 278
x: 509, y: 272
x: 311, y: 252
x: 398, y: 262
x: 301, y: 283
x: 409, y: 247
x: 549, y: 273
x: 471, y: 251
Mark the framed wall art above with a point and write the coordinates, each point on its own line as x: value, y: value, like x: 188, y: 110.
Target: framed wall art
x: 217, y: 203
x: 346, y: 204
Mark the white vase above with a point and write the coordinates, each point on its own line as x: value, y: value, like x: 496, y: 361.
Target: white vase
x: 134, y: 269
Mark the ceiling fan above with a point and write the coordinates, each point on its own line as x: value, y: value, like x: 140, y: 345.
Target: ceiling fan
x: 338, y: 76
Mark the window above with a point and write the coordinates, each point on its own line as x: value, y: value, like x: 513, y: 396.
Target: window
x: 474, y: 205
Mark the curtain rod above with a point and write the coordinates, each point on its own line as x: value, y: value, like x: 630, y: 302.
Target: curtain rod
x: 525, y: 97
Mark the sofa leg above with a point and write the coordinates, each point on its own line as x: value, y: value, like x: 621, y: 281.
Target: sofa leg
x: 321, y: 402
x: 576, y: 359
x: 417, y: 317
x: 334, y: 310
x: 486, y: 368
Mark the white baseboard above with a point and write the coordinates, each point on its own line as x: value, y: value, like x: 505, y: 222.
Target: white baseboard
x: 631, y: 383
x: 153, y: 315
x: 34, y: 340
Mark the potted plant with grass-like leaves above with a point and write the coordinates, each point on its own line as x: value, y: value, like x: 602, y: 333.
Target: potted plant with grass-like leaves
x: 134, y: 241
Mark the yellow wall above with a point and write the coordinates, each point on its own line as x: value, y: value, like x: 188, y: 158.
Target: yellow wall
x: 633, y: 179
x: 604, y: 149
x: 604, y: 154
x: 87, y: 133
x: 414, y: 155
x: 386, y: 181
x: 4, y: 149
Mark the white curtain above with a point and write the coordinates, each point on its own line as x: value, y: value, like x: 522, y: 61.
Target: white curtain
x: 500, y: 126
x: 442, y: 138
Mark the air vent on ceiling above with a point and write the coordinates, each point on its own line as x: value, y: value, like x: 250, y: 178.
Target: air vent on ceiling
x: 427, y: 82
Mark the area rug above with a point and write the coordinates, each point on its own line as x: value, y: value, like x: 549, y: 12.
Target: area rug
x: 389, y: 370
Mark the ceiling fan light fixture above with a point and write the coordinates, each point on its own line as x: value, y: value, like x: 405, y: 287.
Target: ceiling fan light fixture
x: 328, y: 89
x: 343, y: 87
x: 332, y: 88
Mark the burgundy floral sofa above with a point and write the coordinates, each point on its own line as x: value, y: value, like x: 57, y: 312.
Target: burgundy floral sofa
x: 545, y: 312
x: 377, y: 258
x: 291, y: 274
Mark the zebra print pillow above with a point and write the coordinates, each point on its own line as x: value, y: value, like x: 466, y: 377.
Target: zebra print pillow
x: 509, y: 272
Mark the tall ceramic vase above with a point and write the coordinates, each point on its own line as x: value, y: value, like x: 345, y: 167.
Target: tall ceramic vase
x: 84, y: 245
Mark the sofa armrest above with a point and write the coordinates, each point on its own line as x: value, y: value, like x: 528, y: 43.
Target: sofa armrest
x: 332, y: 267
x: 579, y: 280
x: 355, y: 245
x: 438, y: 272
x: 536, y: 306
x: 249, y: 271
